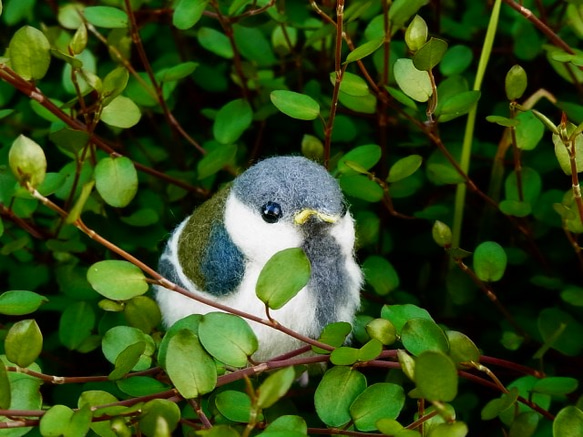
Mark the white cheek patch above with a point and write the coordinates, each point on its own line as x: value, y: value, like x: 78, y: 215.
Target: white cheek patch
x: 255, y: 238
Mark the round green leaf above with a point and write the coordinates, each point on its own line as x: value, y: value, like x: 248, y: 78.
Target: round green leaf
x: 361, y: 187
x: 502, y: 121
x: 337, y: 390
x: 5, y: 394
x: 416, y: 33
x: 288, y: 423
x: 227, y: 337
x: 529, y: 131
x: 119, y: 338
x: 29, y: 51
x: 451, y: 429
x: 572, y: 294
x: 379, y: 401
x: 344, y: 356
x: 556, y: 385
x: 20, y: 302
x: 489, y: 261
x: 413, y: 82
x: 234, y: 405
x: 159, y: 417
x: 398, y: 315
x: 143, y: 313
x: 217, y: 158
x: 380, y: 274
x: 456, y: 60
x: 351, y: 84
x: 121, y: 112
x: 370, y: 350
x: 441, y: 234
x: 23, y: 343
x: 117, y: 280
x: 333, y: 334
x: 382, y: 330
x: 275, y: 387
x: 457, y: 105
x: 116, y: 180
x: 55, y: 421
x: 515, y: 82
x: 232, y: 120
x: 215, y: 42
x: 190, y: 323
x: 27, y: 161
x: 295, y: 105
x: 177, y: 72
x: 127, y: 360
x: 531, y: 185
x: 365, y: 157
x: 141, y: 386
x: 430, y: 54
x: 190, y: 368
x: 106, y: 16
x: 562, y: 154
x: 80, y: 315
x: 568, y: 422
x: 461, y: 348
x: 436, y: 376
x: 283, y: 276
x: 404, y: 167
x: 187, y: 13
x: 496, y: 406
x: 420, y: 335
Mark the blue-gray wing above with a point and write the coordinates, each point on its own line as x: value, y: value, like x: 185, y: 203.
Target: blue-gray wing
x: 223, y: 264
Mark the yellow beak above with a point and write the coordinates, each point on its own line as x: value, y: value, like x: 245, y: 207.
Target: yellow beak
x: 304, y: 215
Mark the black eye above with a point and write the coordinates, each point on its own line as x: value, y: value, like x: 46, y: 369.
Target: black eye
x: 271, y: 212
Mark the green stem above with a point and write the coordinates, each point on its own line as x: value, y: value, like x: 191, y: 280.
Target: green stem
x: 460, y: 195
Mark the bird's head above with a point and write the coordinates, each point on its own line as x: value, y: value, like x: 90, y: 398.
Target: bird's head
x: 281, y: 202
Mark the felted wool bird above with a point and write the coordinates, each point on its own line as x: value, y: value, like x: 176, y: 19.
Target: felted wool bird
x: 219, y: 251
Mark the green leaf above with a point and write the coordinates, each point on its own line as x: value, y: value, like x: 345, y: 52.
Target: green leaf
x: 382, y: 330
x: 5, y: 393
x: 234, y: 405
x: 116, y: 180
x: 106, y: 16
x: 379, y: 401
x: 20, y: 302
x: 556, y: 385
x: 461, y: 348
x: 159, y: 417
x: 232, y: 120
x: 515, y: 83
x: 117, y: 280
x: 361, y: 187
x: 295, y: 105
x: 531, y: 185
x: 572, y: 294
x: 413, y: 82
x: 496, y: 406
x: 121, y: 112
x: 561, y: 331
x: 370, y: 350
x: 113, y: 85
x: 344, y: 356
x: 55, y: 421
x: 23, y: 343
x: 275, y: 387
x: 568, y: 422
x: 366, y: 157
x: 366, y: 49
x: 227, y: 337
x: 562, y: 154
x: 288, y: 423
x: 190, y: 323
x: 456, y: 60
x: 333, y: 334
x: 177, y: 72
x: 441, y: 234
x: 416, y: 33
x: 282, y: 277
x: 80, y: 315
x: 217, y: 158
x: 351, y: 84
x: 337, y: 390
x: 503, y: 121
x: 118, y: 339
x: 127, y: 360
x: 420, y: 335
x: 215, y: 42
x: 436, y: 376
x: 401, y: 11
x: 457, y: 105
x: 398, y: 315
x: 189, y: 367
x: 430, y: 54
x: 143, y: 313
x: 450, y: 429
x: 490, y: 261
x: 29, y: 51
x: 187, y: 13
x: 27, y: 161
x: 404, y: 168
x: 254, y: 46
x: 380, y: 274
x: 529, y: 131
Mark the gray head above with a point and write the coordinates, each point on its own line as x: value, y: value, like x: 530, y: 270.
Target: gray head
x: 293, y: 183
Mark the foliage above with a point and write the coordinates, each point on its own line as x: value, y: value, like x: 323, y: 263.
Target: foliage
x: 119, y: 116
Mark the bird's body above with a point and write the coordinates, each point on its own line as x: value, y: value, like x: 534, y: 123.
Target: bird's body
x: 222, y: 247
